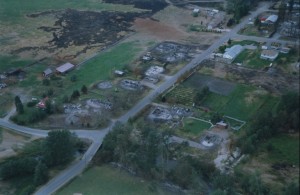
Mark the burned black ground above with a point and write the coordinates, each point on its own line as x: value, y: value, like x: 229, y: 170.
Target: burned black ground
x: 153, y: 5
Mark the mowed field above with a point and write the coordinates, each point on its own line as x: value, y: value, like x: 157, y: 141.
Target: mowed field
x: 107, y: 180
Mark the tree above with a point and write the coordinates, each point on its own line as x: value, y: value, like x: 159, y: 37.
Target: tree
x: 59, y: 147
x: 216, y: 117
x: 84, y: 89
x: 49, y: 107
x: 40, y: 174
x: 281, y: 11
x: 19, y: 105
x: 18, y: 167
x: 292, y: 189
x: 229, y: 42
x: 75, y: 94
x: 199, y: 97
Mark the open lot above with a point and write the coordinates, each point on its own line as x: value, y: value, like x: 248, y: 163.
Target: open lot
x: 108, y: 180
x: 193, y: 127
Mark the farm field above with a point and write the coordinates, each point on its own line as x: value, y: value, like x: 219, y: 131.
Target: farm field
x: 235, y: 100
x: 108, y: 180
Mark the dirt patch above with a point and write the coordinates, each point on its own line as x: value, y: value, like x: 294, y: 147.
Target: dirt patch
x: 157, y: 29
x: 11, y: 141
x: 277, y: 82
x: 215, y: 85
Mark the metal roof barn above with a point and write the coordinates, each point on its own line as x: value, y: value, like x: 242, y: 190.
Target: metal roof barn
x: 233, y: 52
x: 65, y: 68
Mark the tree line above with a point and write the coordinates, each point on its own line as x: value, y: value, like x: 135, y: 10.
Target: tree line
x: 37, y: 158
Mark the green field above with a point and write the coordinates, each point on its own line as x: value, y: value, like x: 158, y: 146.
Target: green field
x: 97, y: 69
x: 285, y: 149
x: 6, y: 102
x: 242, y: 103
x: 194, y: 126
x: 108, y: 181
x: 251, y: 59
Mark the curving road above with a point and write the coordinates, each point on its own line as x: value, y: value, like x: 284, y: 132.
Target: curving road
x: 97, y: 136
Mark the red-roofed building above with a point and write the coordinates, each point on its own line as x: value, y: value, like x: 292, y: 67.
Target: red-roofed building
x: 42, y: 103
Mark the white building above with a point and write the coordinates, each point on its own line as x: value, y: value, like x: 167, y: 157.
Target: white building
x: 233, y: 52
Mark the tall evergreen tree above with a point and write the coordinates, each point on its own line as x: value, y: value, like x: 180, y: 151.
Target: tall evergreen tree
x: 19, y: 105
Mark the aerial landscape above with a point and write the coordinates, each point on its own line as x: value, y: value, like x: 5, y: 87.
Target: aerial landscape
x: 149, y: 97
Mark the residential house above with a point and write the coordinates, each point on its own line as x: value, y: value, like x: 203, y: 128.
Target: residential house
x: 269, y: 54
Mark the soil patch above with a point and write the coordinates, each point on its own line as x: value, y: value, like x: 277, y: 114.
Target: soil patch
x: 10, y: 142
x: 215, y: 85
x: 157, y: 29
x: 153, y: 5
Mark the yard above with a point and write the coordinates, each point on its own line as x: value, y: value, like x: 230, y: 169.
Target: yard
x: 192, y: 127
x: 108, y: 180
x: 251, y: 59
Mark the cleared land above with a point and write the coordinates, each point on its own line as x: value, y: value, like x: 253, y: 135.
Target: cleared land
x: 194, y: 127
x: 107, y: 180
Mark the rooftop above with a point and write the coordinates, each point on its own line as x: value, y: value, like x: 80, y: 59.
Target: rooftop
x: 65, y: 67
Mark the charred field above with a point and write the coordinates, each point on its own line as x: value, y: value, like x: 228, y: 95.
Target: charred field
x: 68, y: 32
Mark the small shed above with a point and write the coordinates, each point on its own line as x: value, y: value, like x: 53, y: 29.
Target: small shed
x: 47, y: 72
x: 65, y: 68
x: 196, y: 11
x: 269, y: 54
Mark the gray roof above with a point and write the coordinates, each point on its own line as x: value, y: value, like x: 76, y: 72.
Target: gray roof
x: 65, y: 67
x: 233, y: 51
x: 272, y: 18
x: 47, y: 71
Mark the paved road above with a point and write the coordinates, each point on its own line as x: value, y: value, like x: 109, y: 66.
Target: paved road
x: 97, y: 136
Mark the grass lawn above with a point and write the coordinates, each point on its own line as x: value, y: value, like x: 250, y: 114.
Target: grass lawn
x: 244, y: 42
x: 285, y: 149
x: 251, y: 59
x: 194, y: 126
x: 97, y: 69
x: 242, y: 103
x: 6, y: 102
x: 7, y: 62
x: 107, y: 180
